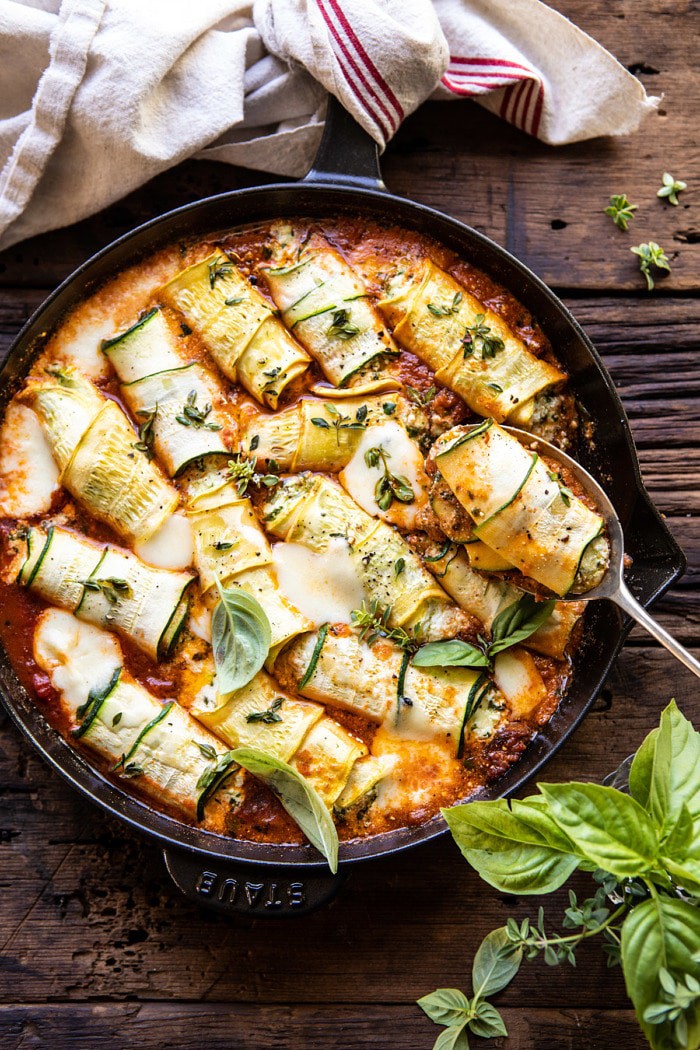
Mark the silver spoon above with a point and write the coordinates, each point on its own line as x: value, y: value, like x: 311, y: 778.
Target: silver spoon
x: 613, y: 584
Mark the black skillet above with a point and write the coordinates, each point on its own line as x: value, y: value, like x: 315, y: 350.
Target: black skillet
x: 267, y: 880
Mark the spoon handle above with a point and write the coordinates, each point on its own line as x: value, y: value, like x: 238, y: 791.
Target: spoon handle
x: 631, y: 606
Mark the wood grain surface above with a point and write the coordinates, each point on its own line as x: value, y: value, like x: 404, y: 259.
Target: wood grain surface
x: 98, y: 949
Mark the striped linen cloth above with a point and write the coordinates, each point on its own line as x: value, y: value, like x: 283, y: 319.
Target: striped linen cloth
x: 98, y: 96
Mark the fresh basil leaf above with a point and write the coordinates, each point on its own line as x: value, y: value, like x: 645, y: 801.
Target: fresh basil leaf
x: 299, y: 798
x: 492, y: 970
x: 488, y: 1023
x: 518, y: 621
x: 665, y: 772
x: 241, y: 636
x: 661, y: 932
x: 454, y: 1038
x: 607, y: 826
x: 446, y: 1006
x: 452, y: 653
x: 515, y: 847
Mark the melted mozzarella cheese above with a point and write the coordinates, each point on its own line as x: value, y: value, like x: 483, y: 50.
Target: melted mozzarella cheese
x: 324, y: 587
x: 171, y: 546
x: 28, y: 472
x: 519, y: 680
x: 403, y: 458
x: 76, y: 656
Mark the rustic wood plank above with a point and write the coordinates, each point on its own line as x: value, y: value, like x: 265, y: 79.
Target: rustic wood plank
x: 96, y: 897
x: 150, y: 1026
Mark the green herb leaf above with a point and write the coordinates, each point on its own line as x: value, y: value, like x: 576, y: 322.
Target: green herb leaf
x: 670, y: 188
x: 341, y: 326
x: 241, y: 638
x: 447, y: 1006
x: 518, y: 621
x: 609, y: 828
x: 488, y: 1023
x: 452, y: 653
x: 299, y: 798
x: 651, y: 255
x: 192, y: 416
x: 212, y: 777
x: 480, y: 337
x: 374, y: 623
x: 218, y: 268
x: 207, y: 750
x: 493, y: 968
x: 664, y: 773
x: 620, y: 210
x: 389, y: 486
x: 514, y: 846
x: 453, y: 1038
x: 112, y: 587
x: 660, y: 933
x: 268, y: 717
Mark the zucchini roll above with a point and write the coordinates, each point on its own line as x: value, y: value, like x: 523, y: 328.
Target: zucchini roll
x: 379, y: 682
x: 230, y: 546
x: 469, y: 347
x: 313, y: 510
x: 107, y: 587
x: 325, y: 305
x: 521, y: 510
x: 170, y: 399
x: 315, y: 434
x: 486, y: 596
x: 238, y: 326
x: 297, y: 731
x: 158, y: 747
x: 98, y: 455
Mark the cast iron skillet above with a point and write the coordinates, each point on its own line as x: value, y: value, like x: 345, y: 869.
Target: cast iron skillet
x: 281, y: 880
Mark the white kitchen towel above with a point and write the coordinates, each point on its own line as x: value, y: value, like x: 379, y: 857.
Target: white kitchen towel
x: 98, y: 96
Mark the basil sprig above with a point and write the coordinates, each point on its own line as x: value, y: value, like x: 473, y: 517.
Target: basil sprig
x: 241, y: 636
x: 643, y: 851
x: 512, y: 625
x: 299, y: 798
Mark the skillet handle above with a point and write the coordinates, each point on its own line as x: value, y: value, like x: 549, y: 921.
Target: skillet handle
x: 257, y: 891
x: 347, y: 155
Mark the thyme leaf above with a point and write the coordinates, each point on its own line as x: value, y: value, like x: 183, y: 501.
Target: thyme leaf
x: 480, y: 337
x: 620, y: 210
x: 341, y: 326
x: 268, y: 717
x: 192, y: 416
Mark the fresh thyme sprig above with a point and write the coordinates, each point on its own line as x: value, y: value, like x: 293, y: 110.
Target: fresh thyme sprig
x: 192, y: 416
x: 242, y: 470
x: 145, y: 431
x: 268, y: 717
x: 620, y: 210
x: 113, y: 588
x: 341, y: 326
x: 651, y: 255
x: 441, y: 310
x: 339, y: 422
x: 390, y: 486
x: 671, y: 188
x: 479, y: 336
x: 374, y: 624
x: 218, y: 268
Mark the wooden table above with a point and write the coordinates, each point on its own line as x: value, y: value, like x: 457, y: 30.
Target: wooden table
x: 99, y: 950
